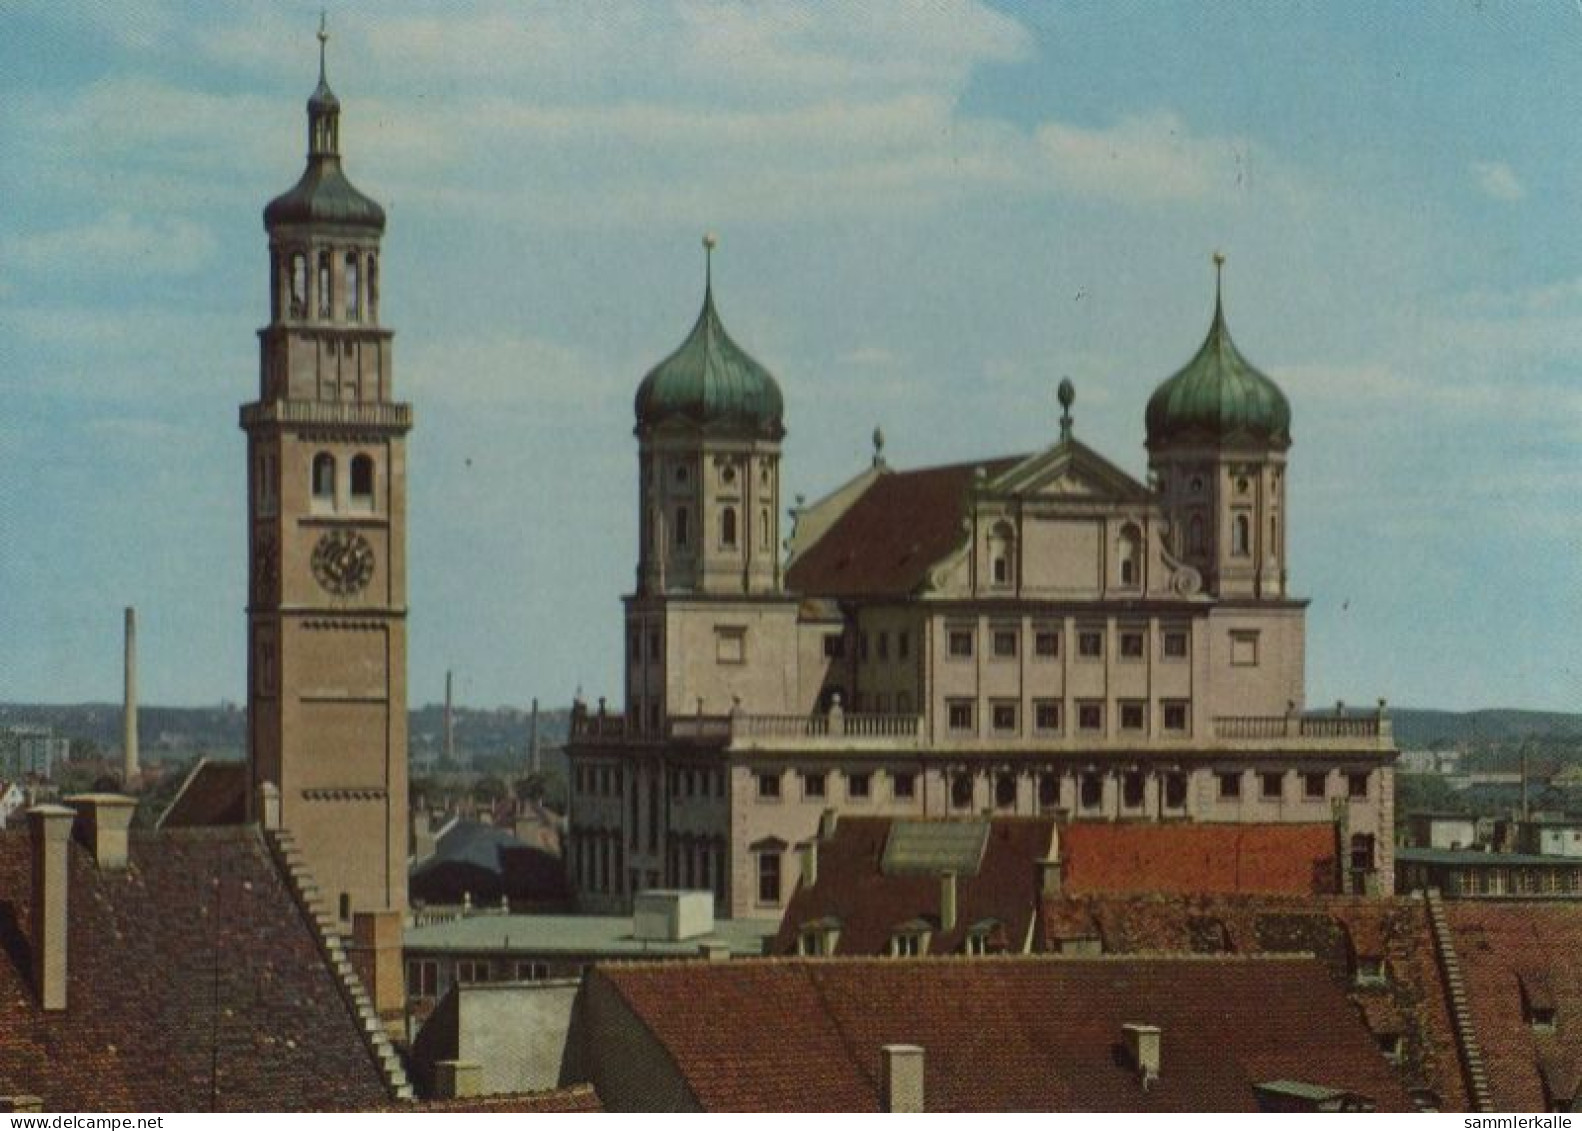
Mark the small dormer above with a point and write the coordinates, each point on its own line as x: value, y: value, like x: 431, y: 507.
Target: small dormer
x: 910, y: 939
x: 1539, y: 1007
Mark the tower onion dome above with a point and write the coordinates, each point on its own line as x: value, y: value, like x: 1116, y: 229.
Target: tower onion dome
x: 323, y: 195
x: 1219, y: 397
x: 710, y: 382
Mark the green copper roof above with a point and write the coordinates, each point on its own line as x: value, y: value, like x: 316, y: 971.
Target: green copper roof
x: 712, y: 383
x: 1219, y: 396
x: 323, y: 195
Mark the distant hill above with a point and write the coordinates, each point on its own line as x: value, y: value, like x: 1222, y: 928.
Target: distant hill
x: 1418, y: 728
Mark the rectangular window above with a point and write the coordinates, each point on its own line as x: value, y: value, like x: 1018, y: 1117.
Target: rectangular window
x: 1090, y: 792
x: 730, y: 645
x: 769, y: 787
x: 1357, y: 785
x: 884, y: 646
x: 1048, y: 791
x: 1134, y: 715
x: 903, y: 786
x: 1175, y: 790
x: 1090, y: 644
x: 1175, y: 717
x: 1005, y: 643
x: 858, y: 786
x: 1046, y: 715
x: 1131, y: 645
x: 769, y: 877
x: 531, y: 971
x: 1314, y: 784
x: 1046, y: 643
x: 1090, y: 716
x: 1132, y: 789
x: 834, y: 645
x: 1271, y: 784
x: 1175, y: 645
x: 961, y: 643
x: 812, y: 784
x: 881, y: 703
x: 1003, y: 716
x: 1244, y: 649
x: 906, y: 946
x: 960, y: 714
x: 422, y: 978
x: 903, y: 644
x: 471, y: 972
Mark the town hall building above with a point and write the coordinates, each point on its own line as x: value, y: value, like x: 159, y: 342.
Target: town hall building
x: 1030, y: 634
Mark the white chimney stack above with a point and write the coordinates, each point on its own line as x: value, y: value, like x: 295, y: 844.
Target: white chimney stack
x: 810, y: 863
x: 102, y: 823
x: 129, y: 767
x: 947, y: 901
x: 1143, y: 1045
x: 903, y: 1078
x: 50, y: 828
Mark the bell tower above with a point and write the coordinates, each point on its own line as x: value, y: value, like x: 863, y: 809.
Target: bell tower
x: 326, y: 612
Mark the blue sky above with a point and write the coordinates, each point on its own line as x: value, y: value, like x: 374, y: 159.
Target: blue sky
x: 928, y: 215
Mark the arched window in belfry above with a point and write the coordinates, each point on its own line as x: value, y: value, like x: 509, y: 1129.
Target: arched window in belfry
x: 1002, y: 547
x: 299, y: 285
x: 681, y: 527
x: 373, y: 288
x: 324, y: 285
x: 763, y: 528
x: 728, y: 526
x: 324, y: 478
x: 1241, y: 536
x: 354, y: 294
x: 363, y: 481
x: 1129, y: 553
x: 1195, y: 535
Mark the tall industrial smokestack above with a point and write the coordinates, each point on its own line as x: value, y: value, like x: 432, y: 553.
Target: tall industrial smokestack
x: 450, y: 728
x: 535, y: 761
x: 129, y: 770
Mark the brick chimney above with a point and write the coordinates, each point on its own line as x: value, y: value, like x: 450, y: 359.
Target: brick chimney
x: 947, y: 901
x: 375, y: 954
x: 902, y: 1082
x: 102, y: 823
x: 1143, y: 1045
x: 50, y: 829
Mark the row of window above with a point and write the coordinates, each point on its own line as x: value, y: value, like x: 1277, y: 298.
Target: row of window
x: 352, y: 286
x: 1005, y: 643
x: 1272, y: 784
x: 693, y: 862
x: 816, y: 785
x: 422, y: 974
x: 361, y: 494
x: 1003, y: 558
x: 687, y: 782
x: 1005, y: 716
x: 681, y: 474
x: 728, y: 528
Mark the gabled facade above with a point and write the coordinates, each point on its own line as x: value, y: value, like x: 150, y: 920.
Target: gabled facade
x: 1032, y: 634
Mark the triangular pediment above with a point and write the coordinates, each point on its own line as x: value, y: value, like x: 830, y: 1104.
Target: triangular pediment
x: 1068, y: 471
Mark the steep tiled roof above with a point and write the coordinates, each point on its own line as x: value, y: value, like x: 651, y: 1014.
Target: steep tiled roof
x: 577, y: 1098
x: 193, y: 983
x: 885, y: 543
x: 215, y: 793
x: 1513, y: 957
x: 1002, y: 1034
x: 1410, y: 1002
x: 1198, y: 859
x: 853, y: 891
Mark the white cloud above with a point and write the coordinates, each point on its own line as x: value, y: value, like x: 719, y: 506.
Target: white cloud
x: 1498, y: 180
x: 116, y: 243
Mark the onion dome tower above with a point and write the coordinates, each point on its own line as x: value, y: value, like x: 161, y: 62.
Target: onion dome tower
x: 327, y: 604
x: 709, y: 424
x: 1218, y: 433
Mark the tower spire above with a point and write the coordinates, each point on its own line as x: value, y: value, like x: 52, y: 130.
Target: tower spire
x: 709, y: 242
x: 1219, y: 286
x: 324, y: 38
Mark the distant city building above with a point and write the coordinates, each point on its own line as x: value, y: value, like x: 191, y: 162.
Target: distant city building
x: 1026, y: 635
x: 1473, y: 874
x: 1429, y: 761
x: 13, y: 799
x: 1442, y: 830
x: 32, y: 751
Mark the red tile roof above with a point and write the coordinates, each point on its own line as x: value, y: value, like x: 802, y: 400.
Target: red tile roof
x: 1411, y: 1002
x: 853, y: 890
x: 1198, y: 859
x: 1498, y: 945
x: 193, y: 984
x: 999, y: 1034
x: 577, y: 1098
x: 886, y: 541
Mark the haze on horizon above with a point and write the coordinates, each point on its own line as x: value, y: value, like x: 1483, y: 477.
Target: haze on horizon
x: 927, y: 215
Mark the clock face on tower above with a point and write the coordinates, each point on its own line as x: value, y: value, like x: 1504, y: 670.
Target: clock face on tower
x: 343, y: 562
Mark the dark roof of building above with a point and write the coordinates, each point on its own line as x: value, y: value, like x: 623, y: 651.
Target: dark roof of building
x: 885, y: 543
x: 194, y: 983
x: 577, y: 1098
x: 1409, y: 1002
x: 1003, y: 1034
x: 711, y: 383
x: 1219, y: 397
x: 1476, y: 858
x: 1517, y: 958
x: 867, y: 901
x: 486, y: 862
x: 215, y: 793
x: 1198, y: 859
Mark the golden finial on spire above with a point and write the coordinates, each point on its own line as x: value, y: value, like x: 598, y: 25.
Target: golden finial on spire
x: 1219, y: 278
x: 324, y: 38
x: 710, y: 240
